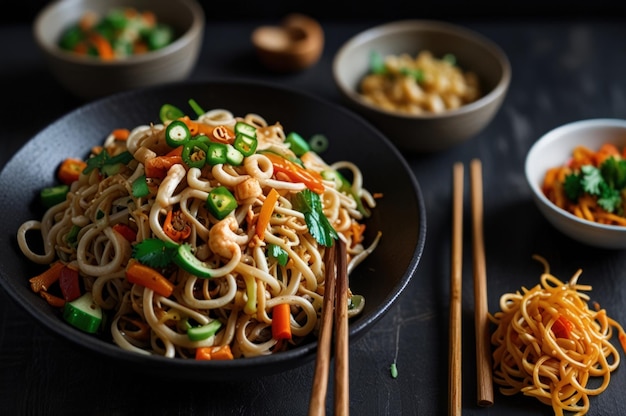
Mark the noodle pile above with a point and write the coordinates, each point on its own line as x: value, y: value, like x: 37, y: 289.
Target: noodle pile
x: 550, y: 345
x: 246, y: 281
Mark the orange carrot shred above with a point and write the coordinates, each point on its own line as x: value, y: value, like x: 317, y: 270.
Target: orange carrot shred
x: 266, y: 212
x: 120, y: 134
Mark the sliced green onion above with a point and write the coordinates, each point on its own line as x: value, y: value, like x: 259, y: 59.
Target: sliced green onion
x: 169, y: 112
x: 199, y: 333
x: 297, y: 143
x: 196, y: 107
x: 318, y: 143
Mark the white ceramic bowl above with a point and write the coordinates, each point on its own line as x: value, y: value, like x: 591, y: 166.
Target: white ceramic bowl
x: 427, y: 132
x: 89, y: 77
x: 553, y: 149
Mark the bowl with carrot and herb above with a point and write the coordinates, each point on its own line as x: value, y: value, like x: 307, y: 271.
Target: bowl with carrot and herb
x: 577, y: 174
x: 96, y: 48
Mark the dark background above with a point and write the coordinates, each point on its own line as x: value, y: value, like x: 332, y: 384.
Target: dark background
x: 25, y: 10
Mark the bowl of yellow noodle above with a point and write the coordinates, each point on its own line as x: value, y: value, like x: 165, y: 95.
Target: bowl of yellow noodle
x: 577, y: 175
x: 216, y: 271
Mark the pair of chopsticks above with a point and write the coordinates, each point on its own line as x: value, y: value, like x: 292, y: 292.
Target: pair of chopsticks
x: 483, y: 353
x: 335, y: 306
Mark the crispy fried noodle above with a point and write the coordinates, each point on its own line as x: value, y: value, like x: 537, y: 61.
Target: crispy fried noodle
x: 550, y: 345
x: 246, y: 280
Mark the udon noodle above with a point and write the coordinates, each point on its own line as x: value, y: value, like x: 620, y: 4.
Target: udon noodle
x: 550, y: 345
x: 246, y: 281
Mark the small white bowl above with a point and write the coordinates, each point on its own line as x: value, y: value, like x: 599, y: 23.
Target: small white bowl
x: 555, y: 148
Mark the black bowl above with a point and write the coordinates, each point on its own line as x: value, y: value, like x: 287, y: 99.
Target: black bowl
x: 400, y: 214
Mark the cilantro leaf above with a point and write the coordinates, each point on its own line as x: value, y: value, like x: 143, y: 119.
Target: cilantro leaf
x: 572, y: 187
x: 614, y: 172
x: 610, y: 199
x: 104, y: 159
x: 278, y: 253
x: 154, y: 252
x: 310, y: 204
x: 605, y: 183
x: 591, y: 180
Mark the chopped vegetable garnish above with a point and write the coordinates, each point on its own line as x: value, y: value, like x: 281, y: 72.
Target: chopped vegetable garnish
x: 266, y: 212
x: 83, y: 313
x: 125, y: 231
x: 154, y: 252
x: 219, y: 352
x: 221, y: 202
x: 318, y: 143
x: 70, y: 170
x: 196, y: 107
x: 278, y: 253
x: 198, y: 333
x: 177, y: 133
x: 297, y: 143
x: 175, y: 226
x: 140, y: 187
x: 281, y: 321
x: 195, y: 153
x: 186, y: 260
x: 169, y: 112
x: 69, y: 283
x: 146, y: 276
x: 54, y: 195
x: 320, y: 228
x: 296, y: 173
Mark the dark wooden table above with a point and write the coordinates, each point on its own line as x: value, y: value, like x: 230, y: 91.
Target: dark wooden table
x: 563, y: 71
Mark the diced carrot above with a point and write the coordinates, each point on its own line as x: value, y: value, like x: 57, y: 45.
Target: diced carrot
x: 120, y: 134
x: 70, y: 170
x: 266, y: 212
x: 44, y: 280
x: 219, y: 352
x: 281, y: 321
x: 142, y: 275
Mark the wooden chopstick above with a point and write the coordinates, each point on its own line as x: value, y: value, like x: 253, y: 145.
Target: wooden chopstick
x: 317, y: 402
x: 481, y: 321
x: 334, y: 306
x: 342, y: 380
x: 454, y: 359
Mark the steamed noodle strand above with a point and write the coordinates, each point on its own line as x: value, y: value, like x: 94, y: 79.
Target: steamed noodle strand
x: 550, y: 345
x: 246, y: 281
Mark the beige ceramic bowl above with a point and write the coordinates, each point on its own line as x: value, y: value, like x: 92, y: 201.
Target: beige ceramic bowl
x: 554, y: 149
x: 427, y: 132
x: 89, y: 77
